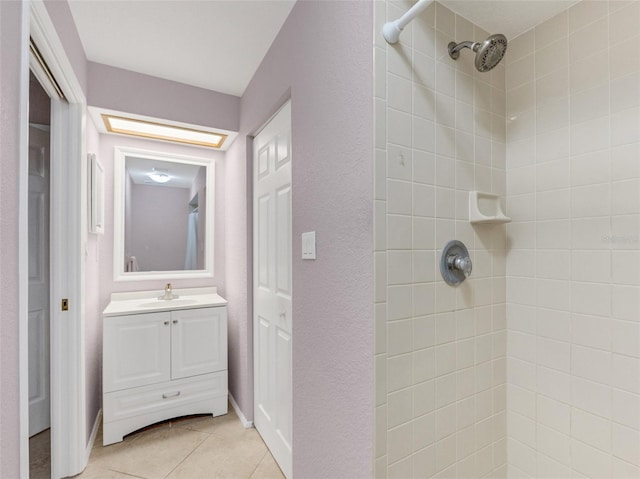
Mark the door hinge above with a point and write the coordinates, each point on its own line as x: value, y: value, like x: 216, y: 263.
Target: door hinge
x: 65, y: 304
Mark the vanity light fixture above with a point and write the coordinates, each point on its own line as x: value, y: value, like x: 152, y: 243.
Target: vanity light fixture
x: 158, y: 131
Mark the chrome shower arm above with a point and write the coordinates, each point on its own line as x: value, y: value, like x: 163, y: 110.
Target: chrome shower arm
x: 454, y: 48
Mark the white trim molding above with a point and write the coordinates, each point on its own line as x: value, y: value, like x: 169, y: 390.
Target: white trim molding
x: 245, y: 422
x: 94, y: 434
x: 68, y: 239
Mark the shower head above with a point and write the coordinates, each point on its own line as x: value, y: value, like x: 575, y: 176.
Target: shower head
x: 488, y: 53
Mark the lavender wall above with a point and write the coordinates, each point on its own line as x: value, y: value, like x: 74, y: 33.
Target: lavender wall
x: 160, y: 218
x: 322, y: 56
x: 60, y: 15
x: 11, y: 37
x: 124, y: 90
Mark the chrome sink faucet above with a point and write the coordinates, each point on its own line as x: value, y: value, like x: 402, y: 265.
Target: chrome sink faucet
x: 168, y: 293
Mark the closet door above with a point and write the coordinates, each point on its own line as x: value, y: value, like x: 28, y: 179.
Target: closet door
x: 272, y: 287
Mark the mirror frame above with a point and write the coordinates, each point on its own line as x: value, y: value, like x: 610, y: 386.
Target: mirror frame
x: 120, y: 154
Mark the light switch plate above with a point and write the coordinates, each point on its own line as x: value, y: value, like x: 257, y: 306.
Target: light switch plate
x: 309, y: 245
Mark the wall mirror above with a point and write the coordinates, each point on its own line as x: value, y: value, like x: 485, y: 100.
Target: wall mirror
x: 163, y: 216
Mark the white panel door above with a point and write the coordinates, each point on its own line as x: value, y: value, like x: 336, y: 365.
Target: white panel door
x: 272, y: 288
x: 39, y: 359
x: 136, y: 350
x: 198, y: 341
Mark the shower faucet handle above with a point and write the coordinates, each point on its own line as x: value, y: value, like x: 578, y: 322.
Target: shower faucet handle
x: 463, y: 264
x: 455, y: 263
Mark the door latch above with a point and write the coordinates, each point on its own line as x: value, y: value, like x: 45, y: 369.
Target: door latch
x: 65, y: 304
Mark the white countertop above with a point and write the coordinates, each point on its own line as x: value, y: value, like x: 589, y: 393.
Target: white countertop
x: 148, y: 302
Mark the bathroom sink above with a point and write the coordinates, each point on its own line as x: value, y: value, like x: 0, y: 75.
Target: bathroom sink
x: 168, y: 303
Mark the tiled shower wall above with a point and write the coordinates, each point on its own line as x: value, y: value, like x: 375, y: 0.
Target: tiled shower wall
x: 440, y: 357
x: 573, y: 267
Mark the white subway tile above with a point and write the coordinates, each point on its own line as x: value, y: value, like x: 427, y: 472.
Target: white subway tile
x: 626, y: 338
x: 591, y: 201
x: 586, y: 12
x: 623, y: 23
x: 399, y: 443
x: 554, y: 234
x: 590, y: 461
x: 590, y: 136
x: 399, y: 93
x: 554, y: 384
x: 590, y: 169
x: 522, y: 428
x: 591, y: 429
x: 592, y: 364
x: 551, y: 30
x: 590, y: 104
x: 590, y: 39
x: 423, y: 234
x: 626, y: 373
x: 445, y: 390
x: 399, y: 127
x: 424, y: 461
x: 424, y: 398
x: 399, y: 302
x: 626, y: 444
x: 423, y: 299
x: 553, y: 324
x: 399, y: 162
x: 554, y: 444
x: 400, y: 337
x: 445, y: 421
x: 552, y: 145
x: 399, y: 372
x: 626, y: 408
x: 554, y: 414
x: 399, y: 197
x: 592, y: 331
x: 520, y: 46
x: 594, y: 266
x: 591, y: 298
x: 626, y: 302
x: 399, y: 408
x: 552, y: 57
x: 423, y: 167
x: 424, y: 365
x: 554, y: 354
x: 591, y: 396
x: 625, y: 126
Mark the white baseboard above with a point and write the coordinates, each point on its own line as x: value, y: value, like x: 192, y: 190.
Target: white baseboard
x: 94, y: 433
x: 236, y: 408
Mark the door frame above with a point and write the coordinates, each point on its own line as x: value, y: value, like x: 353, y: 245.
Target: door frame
x: 68, y: 234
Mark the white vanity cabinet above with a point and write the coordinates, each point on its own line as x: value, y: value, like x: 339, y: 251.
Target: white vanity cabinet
x: 162, y: 364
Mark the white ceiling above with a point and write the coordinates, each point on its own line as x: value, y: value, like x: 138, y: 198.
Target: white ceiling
x: 509, y: 17
x: 213, y: 44
x: 219, y: 44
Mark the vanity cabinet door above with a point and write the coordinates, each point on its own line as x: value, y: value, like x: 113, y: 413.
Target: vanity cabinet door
x: 136, y: 350
x: 198, y: 341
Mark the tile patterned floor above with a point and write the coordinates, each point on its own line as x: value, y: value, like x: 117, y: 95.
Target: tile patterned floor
x: 187, y: 448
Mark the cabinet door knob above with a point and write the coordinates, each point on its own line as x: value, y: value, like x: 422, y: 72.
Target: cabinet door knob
x: 171, y: 395
x: 175, y: 321
x: 166, y: 322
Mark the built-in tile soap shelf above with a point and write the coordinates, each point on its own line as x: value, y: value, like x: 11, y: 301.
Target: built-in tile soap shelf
x: 485, y: 208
